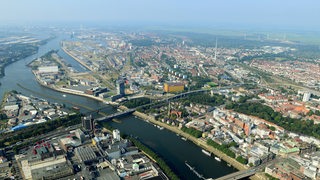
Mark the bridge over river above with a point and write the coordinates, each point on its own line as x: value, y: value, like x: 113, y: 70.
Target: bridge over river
x: 115, y: 115
x: 177, y: 96
x: 129, y: 111
x: 239, y: 174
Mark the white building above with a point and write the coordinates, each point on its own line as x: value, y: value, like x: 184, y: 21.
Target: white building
x: 116, y: 134
x: 11, y: 107
x: 48, y: 69
x: 306, y: 96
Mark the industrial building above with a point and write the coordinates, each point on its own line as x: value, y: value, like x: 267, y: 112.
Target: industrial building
x: 48, y: 69
x: 85, y: 154
x: 173, y: 87
x: 45, y: 160
x: 96, y: 91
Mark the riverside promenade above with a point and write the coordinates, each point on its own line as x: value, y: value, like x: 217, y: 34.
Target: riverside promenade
x: 201, y: 143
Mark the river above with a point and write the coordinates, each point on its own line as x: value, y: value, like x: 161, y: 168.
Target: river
x: 20, y: 78
x: 173, y: 149
x: 168, y: 145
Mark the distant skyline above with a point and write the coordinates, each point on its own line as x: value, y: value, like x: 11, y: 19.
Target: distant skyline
x: 259, y: 13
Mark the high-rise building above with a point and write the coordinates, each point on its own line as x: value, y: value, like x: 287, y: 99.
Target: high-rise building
x: 120, y: 87
x: 87, y: 123
x: 306, y: 96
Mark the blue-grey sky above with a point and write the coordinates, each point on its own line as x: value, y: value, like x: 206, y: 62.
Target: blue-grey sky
x: 303, y: 14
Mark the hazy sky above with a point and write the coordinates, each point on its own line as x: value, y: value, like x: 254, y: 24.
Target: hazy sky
x: 303, y: 14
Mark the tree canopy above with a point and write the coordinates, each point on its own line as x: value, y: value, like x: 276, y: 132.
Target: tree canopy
x: 307, y: 127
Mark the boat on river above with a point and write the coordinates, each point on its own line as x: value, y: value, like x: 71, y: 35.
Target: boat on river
x: 217, y: 158
x: 76, y: 108
x: 206, y: 152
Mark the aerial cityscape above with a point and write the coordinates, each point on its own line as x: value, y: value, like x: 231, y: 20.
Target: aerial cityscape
x: 162, y: 90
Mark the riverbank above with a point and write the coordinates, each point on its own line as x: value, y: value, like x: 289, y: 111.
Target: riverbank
x: 66, y: 90
x: 3, y: 100
x: 75, y: 58
x: 200, y: 142
x: 17, y: 53
x: 69, y: 91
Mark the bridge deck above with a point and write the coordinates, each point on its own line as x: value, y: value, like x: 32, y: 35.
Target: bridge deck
x: 238, y: 174
x: 111, y: 116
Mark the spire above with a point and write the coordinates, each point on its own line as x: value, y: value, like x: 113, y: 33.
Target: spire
x: 215, y: 53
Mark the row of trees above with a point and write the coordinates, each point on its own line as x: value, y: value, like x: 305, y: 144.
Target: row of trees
x: 206, y: 99
x: 166, y: 169
x: 316, y: 112
x: 36, y: 130
x: 199, y: 82
x: 193, y: 132
x: 271, y: 177
x: 242, y: 160
x: 136, y: 102
x: 306, y: 127
x: 223, y: 148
